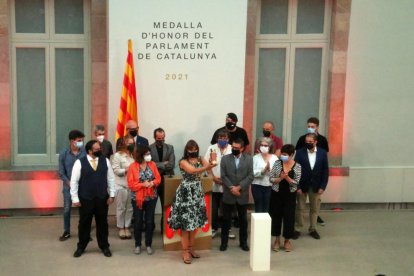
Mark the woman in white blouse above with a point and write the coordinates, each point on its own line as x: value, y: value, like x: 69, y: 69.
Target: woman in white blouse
x: 262, y: 164
x: 120, y: 164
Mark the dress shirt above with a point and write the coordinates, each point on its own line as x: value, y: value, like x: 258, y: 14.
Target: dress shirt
x: 76, y: 174
x: 237, y: 160
x: 312, y: 158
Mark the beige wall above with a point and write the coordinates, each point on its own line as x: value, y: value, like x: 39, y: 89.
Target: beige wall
x: 379, y: 102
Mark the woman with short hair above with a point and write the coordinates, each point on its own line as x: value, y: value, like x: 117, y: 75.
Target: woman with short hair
x: 143, y: 180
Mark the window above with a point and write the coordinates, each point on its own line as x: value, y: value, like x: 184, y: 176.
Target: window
x: 291, y: 64
x: 50, y: 71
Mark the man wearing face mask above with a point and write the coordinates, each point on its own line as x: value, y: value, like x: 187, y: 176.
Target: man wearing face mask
x: 313, y: 182
x: 163, y: 156
x: 236, y: 171
x: 217, y: 151
x: 105, y: 144
x: 235, y: 132
x: 313, y: 127
x: 132, y: 129
x: 92, y: 187
x: 268, y: 131
x: 67, y: 158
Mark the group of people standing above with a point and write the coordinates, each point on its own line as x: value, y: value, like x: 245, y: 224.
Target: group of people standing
x: 133, y: 179
x: 282, y: 177
x: 279, y: 179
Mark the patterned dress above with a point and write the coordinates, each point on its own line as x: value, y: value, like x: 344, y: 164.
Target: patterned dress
x: 188, y: 210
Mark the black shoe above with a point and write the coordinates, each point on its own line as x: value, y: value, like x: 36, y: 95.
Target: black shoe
x: 65, y: 236
x: 223, y: 247
x: 78, y: 253
x: 320, y: 221
x: 296, y: 235
x: 107, y: 252
x: 315, y: 235
x: 244, y: 247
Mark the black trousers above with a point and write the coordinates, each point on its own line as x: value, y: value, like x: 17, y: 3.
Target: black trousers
x: 225, y: 228
x: 215, y: 208
x: 97, y: 207
x: 282, y: 210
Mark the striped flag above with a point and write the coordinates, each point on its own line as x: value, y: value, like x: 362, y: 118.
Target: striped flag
x: 128, y: 104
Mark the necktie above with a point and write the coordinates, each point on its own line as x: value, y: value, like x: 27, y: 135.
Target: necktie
x: 93, y: 161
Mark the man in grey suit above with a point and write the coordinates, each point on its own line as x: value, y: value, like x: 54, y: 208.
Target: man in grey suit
x: 237, y: 175
x: 163, y: 156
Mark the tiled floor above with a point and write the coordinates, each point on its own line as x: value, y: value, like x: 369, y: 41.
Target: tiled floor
x: 353, y: 243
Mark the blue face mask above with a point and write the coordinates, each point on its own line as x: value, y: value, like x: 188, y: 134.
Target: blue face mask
x: 222, y: 143
x: 284, y: 158
x: 311, y: 130
x: 79, y: 144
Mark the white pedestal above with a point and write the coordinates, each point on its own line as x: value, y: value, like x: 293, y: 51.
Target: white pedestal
x: 260, y: 241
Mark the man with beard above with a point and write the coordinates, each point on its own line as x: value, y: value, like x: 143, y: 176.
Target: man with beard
x: 163, y: 156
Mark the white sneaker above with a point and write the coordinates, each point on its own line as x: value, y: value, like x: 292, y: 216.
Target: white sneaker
x: 149, y: 250
x: 137, y: 250
x: 231, y: 236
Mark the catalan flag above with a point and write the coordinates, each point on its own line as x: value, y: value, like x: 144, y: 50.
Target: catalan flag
x: 128, y: 104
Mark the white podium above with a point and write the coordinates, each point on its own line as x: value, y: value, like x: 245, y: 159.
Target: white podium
x: 260, y: 241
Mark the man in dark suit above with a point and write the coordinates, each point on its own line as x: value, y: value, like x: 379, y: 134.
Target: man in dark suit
x: 237, y: 175
x: 313, y: 182
x: 92, y: 187
x: 132, y: 129
x: 163, y: 156
x: 313, y: 127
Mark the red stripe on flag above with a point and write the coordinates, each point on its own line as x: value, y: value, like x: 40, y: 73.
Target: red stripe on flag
x: 128, y: 103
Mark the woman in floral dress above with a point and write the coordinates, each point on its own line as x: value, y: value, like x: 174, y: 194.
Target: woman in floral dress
x: 188, y: 211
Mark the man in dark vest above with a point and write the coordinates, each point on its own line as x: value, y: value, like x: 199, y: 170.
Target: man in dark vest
x: 92, y: 187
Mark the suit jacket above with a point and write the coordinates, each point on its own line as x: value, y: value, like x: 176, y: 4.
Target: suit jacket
x: 318, y: 177
x: 167, y: 155
x: 142, y: 141
x: 232, y: 176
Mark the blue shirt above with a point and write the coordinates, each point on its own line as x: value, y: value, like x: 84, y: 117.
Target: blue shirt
x: 66, y: 161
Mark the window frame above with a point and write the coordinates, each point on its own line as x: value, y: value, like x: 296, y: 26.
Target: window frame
x: 50, y: 42
x: 291, y: 42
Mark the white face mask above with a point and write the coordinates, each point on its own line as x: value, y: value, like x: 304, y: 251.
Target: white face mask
x: 264, y: 149
x: 100, y: 138
x: 147, y: 158
x: 79, y: 144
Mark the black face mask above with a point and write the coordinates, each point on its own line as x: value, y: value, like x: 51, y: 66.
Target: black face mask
x: 133, y: 133
x: 230, y: 125
x: 266, y: 133
x: 235, y: 152
x: 131, y: 148
x: 97, y: 153
x: 159, y: 143
x: 193, y: 154
x: 309, y: 146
